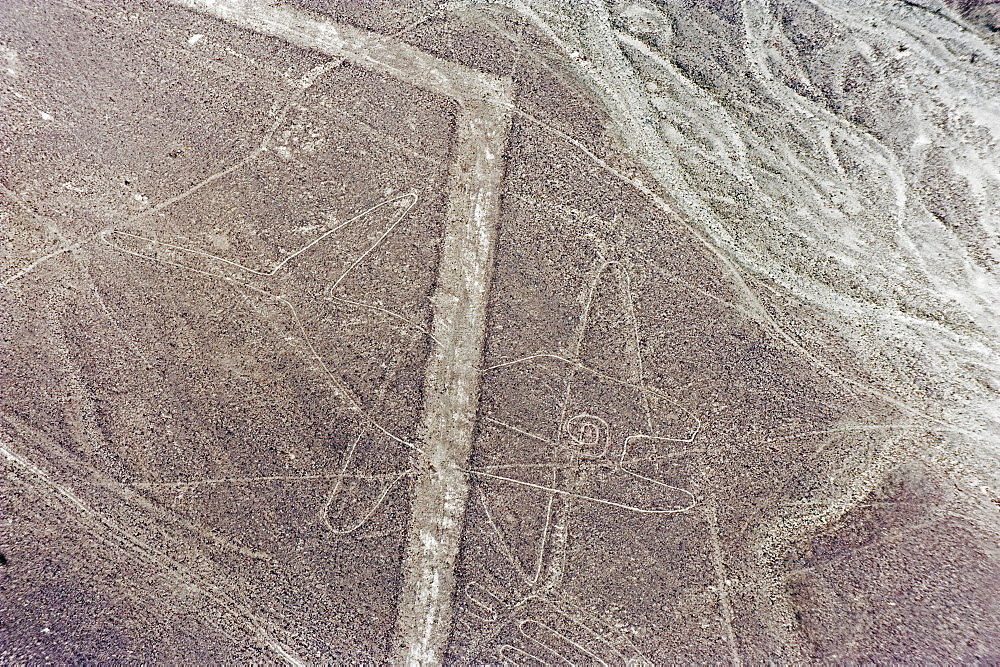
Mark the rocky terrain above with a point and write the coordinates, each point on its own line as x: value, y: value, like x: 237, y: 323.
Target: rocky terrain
x: 507, y: 331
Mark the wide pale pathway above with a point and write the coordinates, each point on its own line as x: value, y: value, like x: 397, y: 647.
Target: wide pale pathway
x: 459, y: 300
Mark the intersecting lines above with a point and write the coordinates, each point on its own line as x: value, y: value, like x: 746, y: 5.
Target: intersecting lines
x: 307, y: 298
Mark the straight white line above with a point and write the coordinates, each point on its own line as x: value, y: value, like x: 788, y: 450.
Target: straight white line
x: 452, y: 382
x: 451, y: 386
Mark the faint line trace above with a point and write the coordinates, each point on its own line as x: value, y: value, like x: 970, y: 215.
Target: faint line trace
x: 173, y: 255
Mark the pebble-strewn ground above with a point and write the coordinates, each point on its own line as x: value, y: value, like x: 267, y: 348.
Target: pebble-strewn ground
x: 739, y: 396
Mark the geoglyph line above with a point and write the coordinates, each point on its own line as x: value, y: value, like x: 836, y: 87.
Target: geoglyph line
x: 109, y: 531
x: 459, y: 302
x: 360, y: 47
x: 452, y: 382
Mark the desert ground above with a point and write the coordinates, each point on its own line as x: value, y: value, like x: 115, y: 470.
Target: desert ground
x: 500, y: 332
